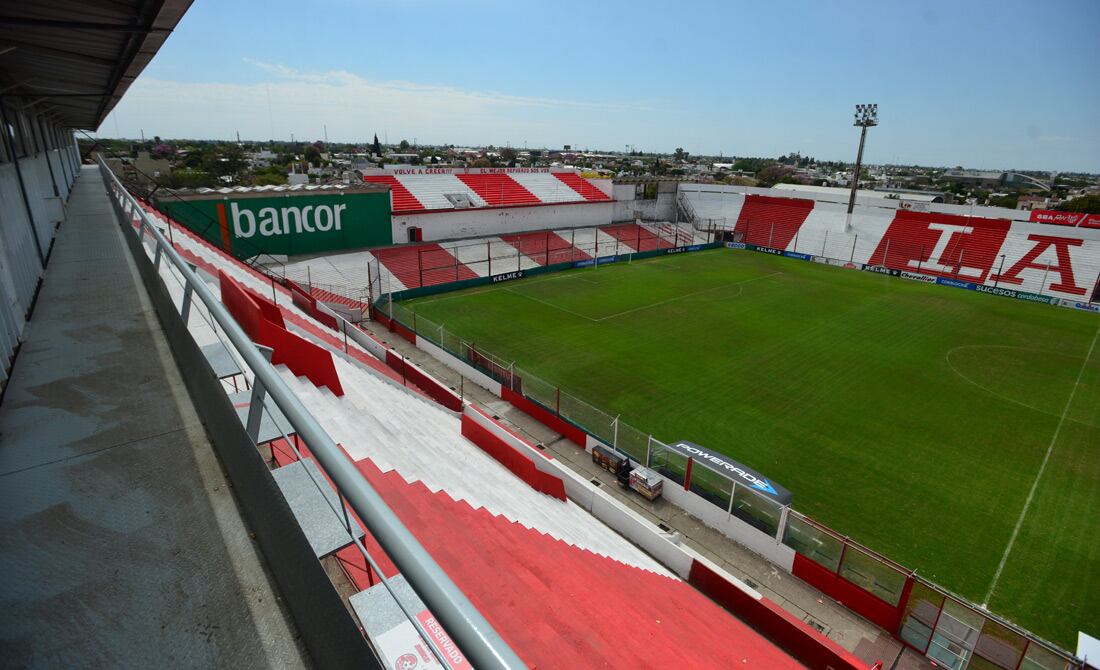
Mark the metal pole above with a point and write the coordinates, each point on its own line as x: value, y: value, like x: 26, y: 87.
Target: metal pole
x: 959, y: 265
x: 420, y: 266
x: 572, y: 245
x: 9, y: 139
x: 466, y: 625
x: 886, y: 255
x: 1000, y: 269
x: 771, y: 234
x: 852, y: 258
x: 855, y: 178
x: 546, y: 259
x: 1044, y: 284
x: 823, y: 243
x: 489, y: 257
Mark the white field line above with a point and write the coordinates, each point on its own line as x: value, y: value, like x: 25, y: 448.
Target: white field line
x: 687, y: 295
x: 550, y: 304
x: 1039, y: 475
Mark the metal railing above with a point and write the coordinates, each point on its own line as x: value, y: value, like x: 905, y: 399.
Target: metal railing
x: 463, y: 622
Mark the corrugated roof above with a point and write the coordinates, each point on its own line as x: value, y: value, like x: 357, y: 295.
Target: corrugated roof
x: 77, y: 58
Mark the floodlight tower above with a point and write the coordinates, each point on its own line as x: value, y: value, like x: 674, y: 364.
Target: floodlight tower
x: 866, y: 116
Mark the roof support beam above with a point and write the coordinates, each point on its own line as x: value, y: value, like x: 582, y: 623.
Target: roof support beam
x: 25, y: 22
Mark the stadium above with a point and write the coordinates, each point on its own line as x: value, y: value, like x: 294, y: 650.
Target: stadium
x: 522, y: 417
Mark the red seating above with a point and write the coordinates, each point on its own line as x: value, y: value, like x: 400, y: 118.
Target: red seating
x: 498, y: 189
x: 560, y: 606
x: 772, y: 222
x: 636, y: 237
x: 423, y: 265
x: 582, y: 186
x: 545, y: 248
x: 910, y: 243
x: 401, y: 199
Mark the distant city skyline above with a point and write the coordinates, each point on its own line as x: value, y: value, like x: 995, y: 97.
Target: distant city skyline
x: 1010, y: 86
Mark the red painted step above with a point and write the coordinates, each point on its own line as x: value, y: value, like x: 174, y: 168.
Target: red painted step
x: 582, y: 186
x: 428, y: 262
x: 772, y: 222
x: 545, y: 248
x: 498, y: 189
x: 560, y: 606
x: 636, y: 237
x: 401, y: 198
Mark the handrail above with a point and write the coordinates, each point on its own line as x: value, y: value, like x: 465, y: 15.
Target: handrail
x: 463, y: 622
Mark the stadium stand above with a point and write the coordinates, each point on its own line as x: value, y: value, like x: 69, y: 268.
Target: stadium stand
x: 420, y: 193
x: 498, y: 189
x: 546, y: 247
x: 637, y: 238
x: 401, y: 199
x: 582, y: 186
x: 772, y: 222
x: 423, y: 265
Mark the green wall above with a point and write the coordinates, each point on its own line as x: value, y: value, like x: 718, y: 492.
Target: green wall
x: 288, y: 224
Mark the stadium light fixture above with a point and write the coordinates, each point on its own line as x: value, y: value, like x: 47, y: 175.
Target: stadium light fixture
x: 866, y: 116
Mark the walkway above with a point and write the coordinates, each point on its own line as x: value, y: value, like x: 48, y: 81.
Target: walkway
x: 121, y: 544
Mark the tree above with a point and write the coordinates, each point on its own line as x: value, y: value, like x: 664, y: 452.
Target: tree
x: 772, y: 175
x: 404, y: 146
x: 1086, y: 204
x: 312, y: 155
x: 1010, y: 201
x: 508, y: 155
x: 376, y: 149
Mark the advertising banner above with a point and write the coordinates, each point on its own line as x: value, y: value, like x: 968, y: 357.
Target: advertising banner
x: 915, y: 276
x: 1085, y: 306
x: 766, y: 250
x: 996, y: 290
x: 882, y: 270
x: 742, y: 474
x: 287, y: 223
x: 1056, y: 218
x: 506, y: 276
x: 956, y: 283
x: 801, y: 257
x: 1035, y: 297
x: 735, y: 245
x: 914, y: 205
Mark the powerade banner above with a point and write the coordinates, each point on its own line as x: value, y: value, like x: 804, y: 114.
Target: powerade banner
x: 742, y: 474
x: 286, y: 223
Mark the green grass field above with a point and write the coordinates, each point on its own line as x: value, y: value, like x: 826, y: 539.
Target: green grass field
x: 913, y: 418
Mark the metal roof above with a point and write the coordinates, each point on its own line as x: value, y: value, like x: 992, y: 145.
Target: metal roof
x: 76, y: 58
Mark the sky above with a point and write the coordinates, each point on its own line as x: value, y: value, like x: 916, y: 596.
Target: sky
x: 990, y: 84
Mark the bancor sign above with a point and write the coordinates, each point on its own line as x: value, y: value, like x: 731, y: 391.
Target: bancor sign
x: 742, y: 474
x: 290, y: 222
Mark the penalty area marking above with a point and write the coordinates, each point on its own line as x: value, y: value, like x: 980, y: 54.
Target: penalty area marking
x: 1039, y: 475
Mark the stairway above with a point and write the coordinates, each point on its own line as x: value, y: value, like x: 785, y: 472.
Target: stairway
x: 560, y: 606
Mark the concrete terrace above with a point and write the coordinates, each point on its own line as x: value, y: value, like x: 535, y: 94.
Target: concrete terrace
x: 121, y: 543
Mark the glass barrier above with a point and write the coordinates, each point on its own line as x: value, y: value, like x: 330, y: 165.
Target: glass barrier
x: 1039, y: 657
x: 668, y: 462
x: 756, y: 510
x: 998, y: 647
x: 712, y: 486
x: 921, y: 613
x: 872, y: 574
x: 818, y: 545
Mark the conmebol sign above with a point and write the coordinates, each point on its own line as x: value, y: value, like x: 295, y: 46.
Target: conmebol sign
x: 742, y: 474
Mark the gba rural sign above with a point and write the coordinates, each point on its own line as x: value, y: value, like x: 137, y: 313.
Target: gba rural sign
x: 290, y: 223
x: 742, y: 474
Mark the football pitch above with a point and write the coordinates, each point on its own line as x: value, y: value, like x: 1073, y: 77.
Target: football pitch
x: 955, y: 432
